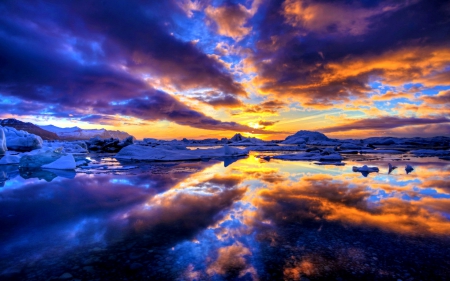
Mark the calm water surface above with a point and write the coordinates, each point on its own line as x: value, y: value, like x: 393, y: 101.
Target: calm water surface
x: 248, y: 219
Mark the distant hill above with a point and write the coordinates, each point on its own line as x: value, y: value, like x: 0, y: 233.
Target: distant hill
x: 76, y: 133
x: 30, y: 128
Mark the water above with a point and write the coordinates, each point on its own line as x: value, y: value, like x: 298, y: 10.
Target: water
x: 250, y: 220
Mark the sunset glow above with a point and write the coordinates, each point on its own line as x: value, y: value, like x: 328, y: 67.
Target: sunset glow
x: 209, y: 69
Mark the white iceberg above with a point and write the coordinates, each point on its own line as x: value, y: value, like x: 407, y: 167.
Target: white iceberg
x: 21, y: 140
x: 39, y: 157
x: 65, y: 162
x: 3, y: 147
x: 176, y: 153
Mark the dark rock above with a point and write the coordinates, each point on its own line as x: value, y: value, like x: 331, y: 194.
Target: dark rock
x: 109, y: 145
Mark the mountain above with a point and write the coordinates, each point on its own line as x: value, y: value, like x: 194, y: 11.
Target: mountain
x: 76, y: 133
x: 30, y: 128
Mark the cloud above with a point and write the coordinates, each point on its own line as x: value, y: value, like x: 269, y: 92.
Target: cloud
x: 328, y: 18
x: 269, y: 106
x: 219, y: 100
x: 327, y: 54
x: 384, y: 123
x: 158, y: 105
x: 230, y: 19
x: 107, y: 55
x: 267, y: 123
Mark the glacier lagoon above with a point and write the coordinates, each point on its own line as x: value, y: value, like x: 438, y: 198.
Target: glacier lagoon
x: 247, y: 218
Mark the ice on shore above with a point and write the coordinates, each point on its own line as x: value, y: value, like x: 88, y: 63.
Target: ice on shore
x: 65, y: 162
x: 21, y: 140
x: 176, y: 153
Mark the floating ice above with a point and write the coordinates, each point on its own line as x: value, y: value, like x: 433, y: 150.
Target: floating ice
x: 37, y: 158
x: 65, y: 162
x: 21, y: 140
x: 176, y: 153
x: 3, y: 147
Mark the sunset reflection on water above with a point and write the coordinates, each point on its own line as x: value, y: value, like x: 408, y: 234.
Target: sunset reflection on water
x: 252, y: 220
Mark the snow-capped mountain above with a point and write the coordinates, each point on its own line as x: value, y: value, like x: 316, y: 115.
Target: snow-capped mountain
x: 30, y: 128
x: 76, y: 133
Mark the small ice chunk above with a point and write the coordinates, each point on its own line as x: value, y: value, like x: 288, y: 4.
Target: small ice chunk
x: 65, y: 162
x: 409, y: 169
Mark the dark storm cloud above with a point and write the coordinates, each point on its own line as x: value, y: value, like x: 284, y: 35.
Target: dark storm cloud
x: 326, y: 52
x: 82, y: 57
x: 385, y: 123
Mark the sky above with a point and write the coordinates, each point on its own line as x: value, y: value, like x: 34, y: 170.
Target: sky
x: 209, y: 69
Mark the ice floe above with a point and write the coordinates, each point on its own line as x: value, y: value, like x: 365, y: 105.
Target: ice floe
x: 176, y: 153
x: 65, y: 162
